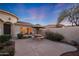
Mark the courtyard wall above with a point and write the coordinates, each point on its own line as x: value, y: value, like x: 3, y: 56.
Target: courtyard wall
x: 70, y: 33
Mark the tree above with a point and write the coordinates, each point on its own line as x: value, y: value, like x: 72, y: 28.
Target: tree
x: 72, y: 14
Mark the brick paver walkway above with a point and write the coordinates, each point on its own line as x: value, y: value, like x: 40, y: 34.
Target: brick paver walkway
x: 29, y: 47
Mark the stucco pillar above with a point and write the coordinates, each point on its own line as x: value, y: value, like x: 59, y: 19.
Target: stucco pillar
x: 1, y: 28
x: 12, y: 31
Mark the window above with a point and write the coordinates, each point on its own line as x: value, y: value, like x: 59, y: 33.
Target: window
x: 26, y: 30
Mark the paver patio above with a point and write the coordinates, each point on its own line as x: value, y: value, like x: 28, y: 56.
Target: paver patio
x: 29, y: 47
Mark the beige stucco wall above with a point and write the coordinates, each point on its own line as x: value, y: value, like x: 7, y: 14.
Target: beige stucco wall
x: 1, y: 28
x: 16, y: 29
x: 5, y: 17
x: 70, y: 33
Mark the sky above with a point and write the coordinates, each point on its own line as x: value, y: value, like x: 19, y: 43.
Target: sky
x: 36, y: 13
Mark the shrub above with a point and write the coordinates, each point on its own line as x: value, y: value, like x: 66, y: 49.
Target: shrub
x: 8, y: 50
x: 7, y: 47
x: 19, y: 36
x: 54, y: 36
x: 5, y: 38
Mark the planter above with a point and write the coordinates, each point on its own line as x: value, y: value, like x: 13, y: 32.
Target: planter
x: 8, y: 49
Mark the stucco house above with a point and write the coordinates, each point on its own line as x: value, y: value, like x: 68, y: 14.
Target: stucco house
x: 23, y: 27
x: 10, y: 24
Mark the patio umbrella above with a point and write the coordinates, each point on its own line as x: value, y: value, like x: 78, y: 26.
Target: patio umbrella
x: 37, y: 27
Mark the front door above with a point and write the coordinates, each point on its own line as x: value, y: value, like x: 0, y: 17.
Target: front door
x: 7, y: 28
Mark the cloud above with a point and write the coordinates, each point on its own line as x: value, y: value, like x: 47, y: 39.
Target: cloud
x: 26, y: 18
x: 66, y: 22
x: 44, y: 14
x: 41, y: 14
x: 38, y: 13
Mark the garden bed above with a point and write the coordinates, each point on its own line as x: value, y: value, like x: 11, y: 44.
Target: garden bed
x: 7, y: 46
x: 8, y: 49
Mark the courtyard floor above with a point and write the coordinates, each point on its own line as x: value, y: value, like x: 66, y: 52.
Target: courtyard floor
x: 29, y: 47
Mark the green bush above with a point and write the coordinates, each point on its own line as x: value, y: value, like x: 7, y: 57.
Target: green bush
x: 4, y: 38
x: 54, y: 36
x: 19, y: 36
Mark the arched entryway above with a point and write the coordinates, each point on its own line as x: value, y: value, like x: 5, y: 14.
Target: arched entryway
x: 7, y: 28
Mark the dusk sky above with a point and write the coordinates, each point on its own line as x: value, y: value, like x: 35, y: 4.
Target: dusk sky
x: 36, y: 13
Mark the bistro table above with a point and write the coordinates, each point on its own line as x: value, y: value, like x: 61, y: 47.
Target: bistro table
x: 38, y: 37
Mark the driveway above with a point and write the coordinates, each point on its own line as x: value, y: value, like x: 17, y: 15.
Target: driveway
x: 29, y: 47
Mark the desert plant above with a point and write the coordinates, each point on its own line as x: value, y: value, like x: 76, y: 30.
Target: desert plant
x: 54, y: 36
